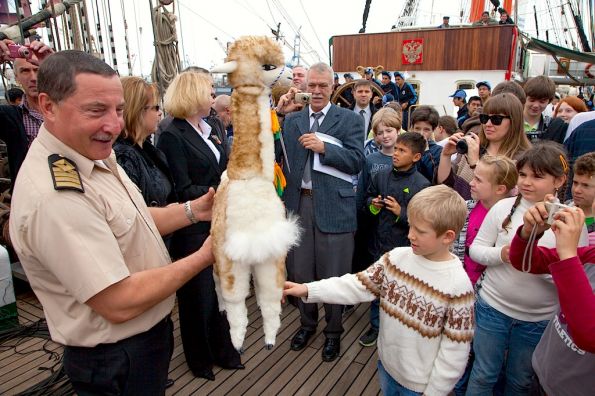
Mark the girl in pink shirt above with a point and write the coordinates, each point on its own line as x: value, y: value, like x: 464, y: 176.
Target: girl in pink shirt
x: 494, y: 178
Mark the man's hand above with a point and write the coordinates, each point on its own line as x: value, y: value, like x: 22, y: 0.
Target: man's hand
x: 568, y: 226
x: 40, y: 52
x: 4, y: 51
x: 378, y: 202
x: 535, y: 216
x: 203, y: 205
x: 287, y: 103
x: 391, y: 204
x: 294, y: 289
x: 403, y: 106
x: 376, y: 100
x: 39, y: 49
x: 311, y: 142
x: 206, y: 250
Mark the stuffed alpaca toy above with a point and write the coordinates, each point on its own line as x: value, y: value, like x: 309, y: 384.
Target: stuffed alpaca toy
x: 251, y: 232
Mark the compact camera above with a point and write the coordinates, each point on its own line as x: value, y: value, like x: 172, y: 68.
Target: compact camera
x: 303, y: 97
x: 19, y: 51
x: 552, y: 209
x: 462, y: 146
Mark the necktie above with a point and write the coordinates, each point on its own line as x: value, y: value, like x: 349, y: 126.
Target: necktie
x: 307, y: 177
x: 363, y: 114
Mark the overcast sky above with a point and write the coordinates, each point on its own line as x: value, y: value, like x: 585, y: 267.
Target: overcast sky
x: 200, y: 22
x: 318, y: 20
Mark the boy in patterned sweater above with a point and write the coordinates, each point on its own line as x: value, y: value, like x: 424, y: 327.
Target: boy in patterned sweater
x: 426, y: 299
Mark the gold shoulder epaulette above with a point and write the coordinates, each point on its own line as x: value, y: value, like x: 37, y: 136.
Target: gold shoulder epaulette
x: 65, y: 173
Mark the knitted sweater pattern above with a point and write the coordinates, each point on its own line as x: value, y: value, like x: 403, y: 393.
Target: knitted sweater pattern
x: 426, y: 318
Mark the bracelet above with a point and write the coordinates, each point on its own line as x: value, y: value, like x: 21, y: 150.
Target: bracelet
x: 189, y: 213
x: 469, y: 163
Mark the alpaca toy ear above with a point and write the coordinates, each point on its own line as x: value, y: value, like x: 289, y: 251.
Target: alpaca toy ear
x: 361, y: 70
x: 227, y: 67
x: 377, y: 70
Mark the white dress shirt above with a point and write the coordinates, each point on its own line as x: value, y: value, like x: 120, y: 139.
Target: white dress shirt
x: 205, y: 133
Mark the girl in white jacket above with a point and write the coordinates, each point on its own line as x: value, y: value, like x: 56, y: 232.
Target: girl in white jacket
x: 513, y: 307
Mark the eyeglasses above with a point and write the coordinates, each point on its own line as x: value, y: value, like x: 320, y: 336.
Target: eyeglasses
x: 156, y: 107
x: 495, y: 118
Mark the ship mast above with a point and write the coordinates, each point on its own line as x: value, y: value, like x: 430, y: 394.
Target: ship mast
x: 408, y: 14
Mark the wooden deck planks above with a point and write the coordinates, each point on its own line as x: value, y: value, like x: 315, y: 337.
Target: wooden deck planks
x: 278, y: 371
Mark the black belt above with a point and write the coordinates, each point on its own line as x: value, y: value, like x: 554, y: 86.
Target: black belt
x: 307, y: 192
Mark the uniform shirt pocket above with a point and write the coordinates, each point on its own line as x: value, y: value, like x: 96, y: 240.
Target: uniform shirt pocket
x: 122, y: 224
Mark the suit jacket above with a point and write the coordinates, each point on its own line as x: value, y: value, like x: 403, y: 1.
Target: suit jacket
x: 12, y: 132
x: 194, y: 168
x: 373, y: 110
x: 334, y: 198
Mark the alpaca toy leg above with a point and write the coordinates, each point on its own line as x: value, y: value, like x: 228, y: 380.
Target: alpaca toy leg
x: 235, y: 286
x: 217, y: 280
x: 268, y: 282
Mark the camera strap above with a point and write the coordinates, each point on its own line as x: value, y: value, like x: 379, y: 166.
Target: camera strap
x: 528, y: 254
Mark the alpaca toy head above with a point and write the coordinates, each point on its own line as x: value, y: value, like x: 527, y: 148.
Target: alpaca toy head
x: 255, y: 61
x: 370, y: 70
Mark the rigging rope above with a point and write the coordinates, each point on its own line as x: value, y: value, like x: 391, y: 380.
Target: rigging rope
x: 167, y: 59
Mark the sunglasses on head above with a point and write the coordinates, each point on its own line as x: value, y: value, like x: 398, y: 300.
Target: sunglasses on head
x: 495, y: 118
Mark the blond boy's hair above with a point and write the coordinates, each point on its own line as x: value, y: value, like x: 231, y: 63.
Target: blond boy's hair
x: 441, y: 206
x: 388, y: 117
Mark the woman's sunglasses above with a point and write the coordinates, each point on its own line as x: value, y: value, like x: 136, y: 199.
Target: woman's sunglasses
x: 495, y: 118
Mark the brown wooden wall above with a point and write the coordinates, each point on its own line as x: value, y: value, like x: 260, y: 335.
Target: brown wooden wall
x: 468, y: 48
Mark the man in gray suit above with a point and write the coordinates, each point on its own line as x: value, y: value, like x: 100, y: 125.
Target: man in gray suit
x: 325, y: 202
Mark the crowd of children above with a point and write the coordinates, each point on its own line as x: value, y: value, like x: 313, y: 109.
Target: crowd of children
x: 454, y: 307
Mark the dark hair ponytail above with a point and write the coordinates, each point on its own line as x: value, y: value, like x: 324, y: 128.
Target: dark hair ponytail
x: 506, y: 221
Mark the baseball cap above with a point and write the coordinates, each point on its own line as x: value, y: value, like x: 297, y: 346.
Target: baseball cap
x: 484, y: 83
x: 398, y: 74
x: 459, y: 93
x: 347, y: 75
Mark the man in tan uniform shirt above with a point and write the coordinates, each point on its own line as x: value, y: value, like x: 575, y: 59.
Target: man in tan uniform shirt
x: 89, y: 245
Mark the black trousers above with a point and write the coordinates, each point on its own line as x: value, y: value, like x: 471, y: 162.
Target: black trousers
x: 137, y: 365
x: 204, y: 330
x: 319, y: 256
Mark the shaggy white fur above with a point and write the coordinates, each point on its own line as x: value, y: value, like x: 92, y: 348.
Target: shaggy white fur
x: 260, y: 231
x: 250, y: 229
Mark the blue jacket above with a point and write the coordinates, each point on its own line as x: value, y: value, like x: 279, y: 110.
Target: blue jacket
x: 392, y: 230
x: 406, y: 94
x: 334, y: 198
x: 430, y: 159
x: 390, y: 88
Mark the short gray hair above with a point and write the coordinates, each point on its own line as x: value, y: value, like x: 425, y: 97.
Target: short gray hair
x: 322, y: 67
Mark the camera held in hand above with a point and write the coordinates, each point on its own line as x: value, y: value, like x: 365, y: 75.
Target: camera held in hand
x: 552, y: 209
x: 19, y: 51
x: 462, y: 146
x: 303, y: 98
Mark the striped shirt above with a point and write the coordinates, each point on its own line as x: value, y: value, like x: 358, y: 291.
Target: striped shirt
x: 32, y: 120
